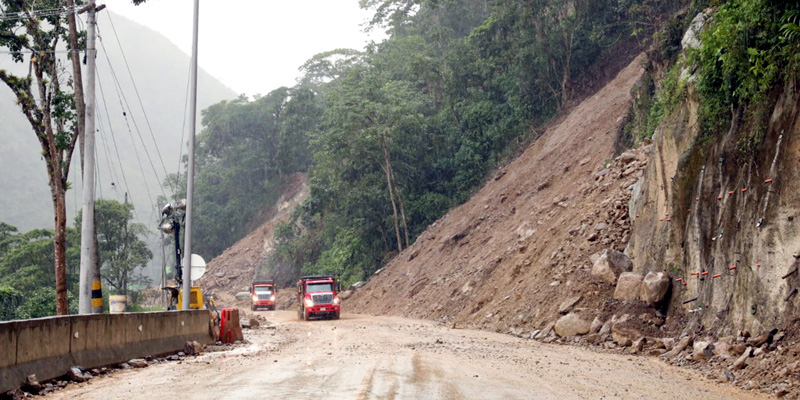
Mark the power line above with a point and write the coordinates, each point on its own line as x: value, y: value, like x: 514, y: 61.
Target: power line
x: 122, y: 98
x: 114, y: 139
x: 97, y: 184
x: 112, y: 173
x: 133, y: 141
x: 136, y: 90
x: 43, y: 13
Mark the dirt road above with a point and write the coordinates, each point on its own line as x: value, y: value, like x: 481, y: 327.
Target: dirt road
x: 365, y: 357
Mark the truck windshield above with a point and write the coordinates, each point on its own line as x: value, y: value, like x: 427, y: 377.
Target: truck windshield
x: 319, y: 287
x: 263, y: 289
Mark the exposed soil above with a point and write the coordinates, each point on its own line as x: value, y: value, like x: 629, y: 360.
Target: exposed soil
x: 365, y: 357
x: 508, y: 258
x: 234, y: 269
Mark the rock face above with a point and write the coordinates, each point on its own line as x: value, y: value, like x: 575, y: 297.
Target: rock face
x: 610, y: 265
x: 654, y: 287
x: 628, y: 286
x: 571, y: 325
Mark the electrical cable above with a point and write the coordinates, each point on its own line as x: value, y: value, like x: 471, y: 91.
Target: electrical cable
x: 123, y: 98
x: 112, y: 173
x: 133, y: 141
x: 136, y: 90
x: 98, y: 186
x: 114, y: 139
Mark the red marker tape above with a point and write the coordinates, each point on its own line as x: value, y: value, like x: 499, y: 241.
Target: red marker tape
x: 744, y: 190
x: 688, y: 211
x: 661, y: 219
x: 684, y: 283
x: 678, y: 280
x: 719, y: 197
x: 669, y: 220
x: 758, y: 265
x: 768, y: 181
x: 694, y: 273
x: 696, y: 199
x: 717, y: 276
x: 704, y: 273
x: 731, y: 192
x: 732, y: 268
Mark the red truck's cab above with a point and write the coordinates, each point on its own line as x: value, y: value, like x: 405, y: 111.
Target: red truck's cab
x: 318, y: 296
x: 262, y: 295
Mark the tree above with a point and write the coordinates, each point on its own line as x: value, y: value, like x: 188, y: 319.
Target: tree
x: 122, y: 251
x: 33, y: 38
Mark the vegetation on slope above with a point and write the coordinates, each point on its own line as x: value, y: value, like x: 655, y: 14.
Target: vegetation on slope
x: 396, y: 135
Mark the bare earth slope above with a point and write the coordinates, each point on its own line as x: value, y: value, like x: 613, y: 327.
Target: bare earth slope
x: 507, y: 259
x: 234, y: 269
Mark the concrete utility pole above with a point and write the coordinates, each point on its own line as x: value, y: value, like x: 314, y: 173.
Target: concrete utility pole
x: 187, y: 273
x: 89, y: 286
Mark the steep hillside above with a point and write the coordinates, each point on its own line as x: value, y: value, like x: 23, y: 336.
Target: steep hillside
x: 508, y: 258
x: 234, y: 270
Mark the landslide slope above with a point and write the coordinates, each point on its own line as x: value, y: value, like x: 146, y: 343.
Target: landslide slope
x: 509, y: 258
x: 234, y: 269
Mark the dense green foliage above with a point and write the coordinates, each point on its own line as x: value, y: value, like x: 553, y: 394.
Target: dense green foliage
x: 123, y: 253
x: 396, y: 135
x: 27, y: 283
x: 243, y: 155
x: 749, y: 48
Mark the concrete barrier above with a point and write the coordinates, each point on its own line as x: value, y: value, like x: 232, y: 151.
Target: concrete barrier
x: 47, y: 347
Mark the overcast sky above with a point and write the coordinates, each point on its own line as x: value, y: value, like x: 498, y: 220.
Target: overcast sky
x: 254, y: 46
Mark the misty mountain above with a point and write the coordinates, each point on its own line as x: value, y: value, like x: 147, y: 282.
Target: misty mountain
x: 141, y: 120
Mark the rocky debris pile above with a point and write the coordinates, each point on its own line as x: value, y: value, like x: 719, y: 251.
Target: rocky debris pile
x: 80, y: 375
x: 767, y: 362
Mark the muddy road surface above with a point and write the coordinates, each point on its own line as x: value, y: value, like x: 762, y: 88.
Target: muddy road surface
x: 366, y: 357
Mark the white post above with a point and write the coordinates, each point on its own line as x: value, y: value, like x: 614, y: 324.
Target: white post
x: 187, y: 271
x: 89, y: 279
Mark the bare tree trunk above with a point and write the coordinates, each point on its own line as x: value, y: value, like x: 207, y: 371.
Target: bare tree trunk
x: 59, y: 246
x: 400, y: 203
x: 387, y: 169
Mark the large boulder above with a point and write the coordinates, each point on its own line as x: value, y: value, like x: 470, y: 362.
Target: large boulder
x: 571, y: 325
x: 628, y: 286
x: 623, y: 332
x: 610, y: 265
x: 654, y: 287
x: 242, y: 296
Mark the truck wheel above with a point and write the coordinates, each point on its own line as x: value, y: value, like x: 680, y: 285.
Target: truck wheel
x: 306, y: 315
x: 336, y: 315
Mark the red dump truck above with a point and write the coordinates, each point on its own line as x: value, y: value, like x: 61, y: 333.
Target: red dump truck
x: 317, y: 296
x: 263, y: 294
